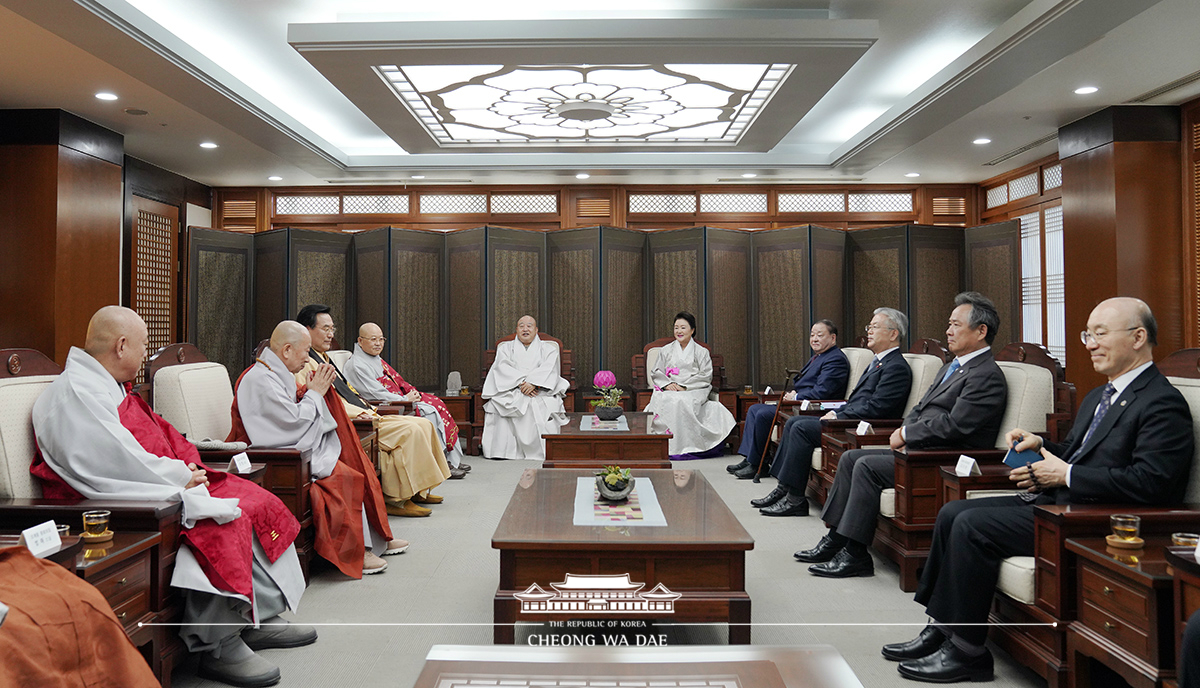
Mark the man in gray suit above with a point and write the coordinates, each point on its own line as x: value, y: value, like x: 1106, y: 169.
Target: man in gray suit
x: 962, y: 410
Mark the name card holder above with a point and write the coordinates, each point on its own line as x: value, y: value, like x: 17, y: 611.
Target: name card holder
x: 240, y: 463
x: 966, y: 466
x: 41, y: 539
x: 864, y: 428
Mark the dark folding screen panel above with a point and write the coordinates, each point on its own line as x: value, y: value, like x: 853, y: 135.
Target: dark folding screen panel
x: 876, y: 272
x: 321, y: 273
x: 623, y: 288
x: 573, y: 299
x: 516, y: 269
x: 828, y: 261
x: 676, y: 279
x: 935, y: 263
x: 781, y: 267
x: 271, y: 281
x: 464, y: 293
x: 221, y: 296
x: 728, y: 300
x: 993, y: 268
x: 371, y: 288
x: 418, y: 260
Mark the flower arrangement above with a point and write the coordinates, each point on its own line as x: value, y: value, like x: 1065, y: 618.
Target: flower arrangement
x: 606, y: 385
x: 615, y: 476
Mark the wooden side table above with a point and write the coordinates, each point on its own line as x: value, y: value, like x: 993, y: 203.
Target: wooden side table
x: 120, y: 570
x: 1125, y: 620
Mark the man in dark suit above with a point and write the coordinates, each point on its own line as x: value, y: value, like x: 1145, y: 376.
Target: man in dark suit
x: 961, y: 410
x: 823, y: 377
x: 881, y: 393
x: 1131, y: 443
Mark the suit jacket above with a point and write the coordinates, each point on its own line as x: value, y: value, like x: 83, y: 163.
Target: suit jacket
x: 1140, y: 453
x: 882, y: 390
x: 341, y: 384
x: 962, y: 412
x: 824, y: 376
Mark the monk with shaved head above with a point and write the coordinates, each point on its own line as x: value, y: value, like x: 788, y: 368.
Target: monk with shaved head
x: 271, y: 410
x: 237, y: 564
x: 1131, y: 444
x: 524, y: 394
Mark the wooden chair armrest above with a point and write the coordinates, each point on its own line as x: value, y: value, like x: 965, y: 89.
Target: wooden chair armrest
x: 256, y: 455
x: 950, y: 456
x: 118, y: 507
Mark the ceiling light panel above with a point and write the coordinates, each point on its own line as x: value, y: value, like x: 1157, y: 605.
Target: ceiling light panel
x: 463, y: 106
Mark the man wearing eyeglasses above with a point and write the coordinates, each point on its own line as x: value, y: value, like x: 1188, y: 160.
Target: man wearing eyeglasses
x: 1131, y: 444
x: 881, y: 392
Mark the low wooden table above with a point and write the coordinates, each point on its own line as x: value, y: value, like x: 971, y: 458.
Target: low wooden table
x: 810, y: 666
x: 63, y: 556
x: 120, y: 569
x: 700, y: 554
x: 640, y: 447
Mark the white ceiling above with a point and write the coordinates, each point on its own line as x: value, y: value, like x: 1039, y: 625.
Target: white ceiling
x: 923, y: 79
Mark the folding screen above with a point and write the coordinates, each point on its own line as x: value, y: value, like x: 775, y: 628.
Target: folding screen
x: 371, y: 288
x: 782, y: 309
x: 271, y: 279
x: 935, y: 261
x: 573, y: 296
x: 417, y: 311
x: 828, y: 261
x: 465, y: 290
x: 321, y: 273
x: 516, y: 268
x: 876, y: 272
x: 677, y: 274
x: 623, y: 299
x: 222, y: 296
x: 993, y: 268
x: 728, y: 300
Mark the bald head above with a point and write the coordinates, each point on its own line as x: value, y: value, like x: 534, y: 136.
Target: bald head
x: 1121, y: 334
x: 371, y: 339
x: 290, y: 342
x: 117, y: 338
x: 526, y: 329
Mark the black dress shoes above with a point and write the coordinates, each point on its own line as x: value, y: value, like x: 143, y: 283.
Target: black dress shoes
x: 925, y: 644
x: 745, y: 473
x: 789, y: 505
x: 820, y: 554
x: 735, y: 467
x: 776, y: 495
x: 844, y: 565
x: 949, y: 665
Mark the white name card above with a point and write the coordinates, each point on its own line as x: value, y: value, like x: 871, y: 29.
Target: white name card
x: 41, y: 539
x: 864, y: 428
x: 966, y: 466
x: 804, y: 405
x: 240, y: 463
x: 767, y: 390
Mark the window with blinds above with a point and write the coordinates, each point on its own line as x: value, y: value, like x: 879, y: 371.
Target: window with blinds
x: 1031, y: 276
x: 1056, y: 302
x: 1043, y: 296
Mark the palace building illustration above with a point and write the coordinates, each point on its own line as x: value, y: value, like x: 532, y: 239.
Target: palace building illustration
x: 598, y: 594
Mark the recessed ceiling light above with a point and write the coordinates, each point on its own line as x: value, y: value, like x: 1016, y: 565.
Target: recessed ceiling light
x: 105, y: 95
x: 582, y: 175
x: 274, y: 179
x: 749, y: 175
x: 135, y: 112
x: 913, y: 174
x: 980, y: 142
x: 1084, y: 90
x: 418, y: 176
x: 208, y: 144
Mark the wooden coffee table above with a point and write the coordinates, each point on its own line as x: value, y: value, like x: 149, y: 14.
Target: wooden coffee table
x: 699, y: 557
x: 809, y: 666
x: 638, y: 447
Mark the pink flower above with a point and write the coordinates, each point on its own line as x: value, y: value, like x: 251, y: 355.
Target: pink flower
x: 605, y: 379
x: 672, y: 371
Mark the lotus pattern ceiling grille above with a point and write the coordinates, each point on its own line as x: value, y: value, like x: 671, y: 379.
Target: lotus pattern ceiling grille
x: 375, y: 205
x: 881, y: 203
x: 812, y: 203
x: 442, y: 204
x: 733, y: 203
x: 662, y: 203
x: 525, y: 203
x: 603, y: 105
x: 307, y: 205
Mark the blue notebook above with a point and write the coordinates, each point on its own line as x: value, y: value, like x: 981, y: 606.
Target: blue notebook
x: 1016, y: 459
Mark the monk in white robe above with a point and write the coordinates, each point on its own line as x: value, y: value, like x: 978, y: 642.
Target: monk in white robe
x: 374, y: 379
x: 682, y: 379
x: 524, y: 394
x: 410, y: 457
x: 352, y: 528
x: 99, y: 441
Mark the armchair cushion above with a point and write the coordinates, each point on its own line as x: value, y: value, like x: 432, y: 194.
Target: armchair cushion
x: 17, y: 444
x: 887, y: 503
x: 1017, y: 579
x: 1190, y: 389
x: 340, y: 358
x: 816, y: 459
x: 859, y: 359
x: 925, y: 368
x: 1030, y: 398
x: 195, y: 398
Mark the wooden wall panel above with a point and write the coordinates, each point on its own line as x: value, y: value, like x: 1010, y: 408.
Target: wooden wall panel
x: 28, y: 230
x: 728, y: 301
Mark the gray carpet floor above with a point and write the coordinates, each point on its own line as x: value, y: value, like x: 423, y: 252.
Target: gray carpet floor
x: 440, y: 592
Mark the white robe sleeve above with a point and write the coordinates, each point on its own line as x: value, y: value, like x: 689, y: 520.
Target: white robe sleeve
x: 504, y: 375
x: 695, y: 371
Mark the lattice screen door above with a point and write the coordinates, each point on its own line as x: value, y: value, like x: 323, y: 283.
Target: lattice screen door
x: 153, y: 269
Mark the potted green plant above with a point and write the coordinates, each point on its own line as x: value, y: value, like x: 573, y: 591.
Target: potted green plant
x: 614, y: 483
x: 608, y: 407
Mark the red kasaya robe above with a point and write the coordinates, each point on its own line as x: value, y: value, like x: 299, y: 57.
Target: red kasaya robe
x: 395, y: 384
x: 335, y: 498
x: 223, y: 550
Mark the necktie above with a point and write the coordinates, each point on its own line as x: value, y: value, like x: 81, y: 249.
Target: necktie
x: 953, y: 367
x: 1101, y: 410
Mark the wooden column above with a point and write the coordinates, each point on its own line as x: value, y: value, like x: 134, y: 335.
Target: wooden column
x: 60, y: 227
x: 1122, y: 221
